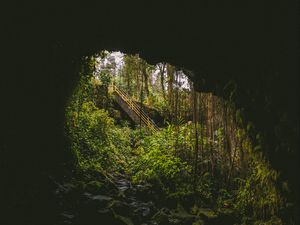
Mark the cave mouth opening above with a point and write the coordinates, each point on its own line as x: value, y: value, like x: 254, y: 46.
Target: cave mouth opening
x: 145, y: 132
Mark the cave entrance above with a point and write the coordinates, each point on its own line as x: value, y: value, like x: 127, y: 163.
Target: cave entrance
x: 143, y: 135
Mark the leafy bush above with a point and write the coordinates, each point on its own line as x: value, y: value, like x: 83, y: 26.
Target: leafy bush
x: 95, y: 139
x: 158, y: 161
x: 257, y: 195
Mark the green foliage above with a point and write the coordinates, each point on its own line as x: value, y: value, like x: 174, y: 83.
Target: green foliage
x: 105, y: 78
x: 89, y: 133
x: 158, y: 160
x: 257, y: 194
x: 97, y: 143
x: 229, y: 173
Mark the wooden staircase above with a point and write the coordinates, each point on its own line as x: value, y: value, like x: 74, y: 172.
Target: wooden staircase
x: 134, y: 111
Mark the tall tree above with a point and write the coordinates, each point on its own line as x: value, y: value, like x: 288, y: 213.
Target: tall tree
x: 145, y: 75
x: 170, y: 77
x: 162, y: 68
x: 196, y: 152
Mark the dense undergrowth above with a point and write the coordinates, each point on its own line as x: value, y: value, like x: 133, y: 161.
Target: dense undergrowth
x: 165, y: 161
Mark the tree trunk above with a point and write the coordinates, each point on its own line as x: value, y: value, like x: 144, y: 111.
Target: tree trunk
x: 162, y: 79
x: 146, y: 80
x: 170, y: 73
x: 195, y: 105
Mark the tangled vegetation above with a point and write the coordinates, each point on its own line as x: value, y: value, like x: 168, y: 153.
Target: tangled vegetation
x: 203, y: 157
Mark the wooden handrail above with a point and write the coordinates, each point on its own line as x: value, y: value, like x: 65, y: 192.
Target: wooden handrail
x: 141, y: 111
x: 137, y: 109
x: 133, y: 106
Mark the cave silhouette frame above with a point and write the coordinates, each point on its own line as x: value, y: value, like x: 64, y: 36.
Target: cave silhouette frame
x: 257, y: 47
